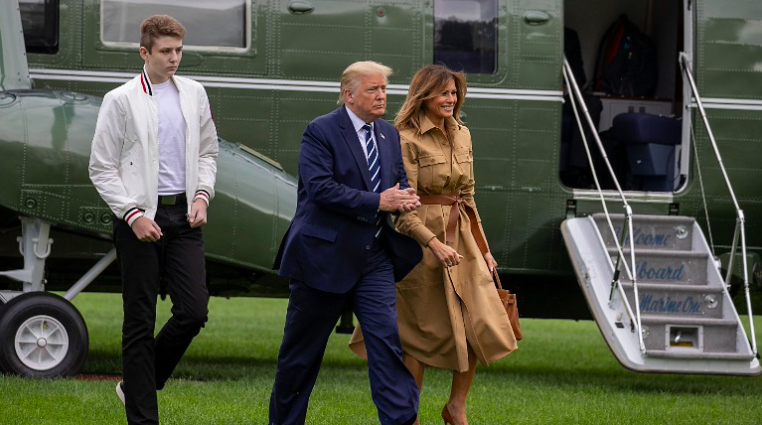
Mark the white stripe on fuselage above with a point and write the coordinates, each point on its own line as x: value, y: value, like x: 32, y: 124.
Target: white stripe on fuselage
x: 733, y: 101
x: 285, y: 85
x: 735, y: 104
x: 333, y: 87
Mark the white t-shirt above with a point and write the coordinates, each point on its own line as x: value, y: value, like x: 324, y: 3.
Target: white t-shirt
x: 171, y: 139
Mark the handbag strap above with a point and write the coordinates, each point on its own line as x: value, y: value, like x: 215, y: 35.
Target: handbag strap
x: 496, y: 278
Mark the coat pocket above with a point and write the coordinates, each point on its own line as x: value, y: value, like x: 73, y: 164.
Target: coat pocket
x: 463, y: 157
x: 433, y: 172
x: 319, y: 232
x: 428, y: 161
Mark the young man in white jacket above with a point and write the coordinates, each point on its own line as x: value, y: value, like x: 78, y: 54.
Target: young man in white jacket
x: 153, y: 161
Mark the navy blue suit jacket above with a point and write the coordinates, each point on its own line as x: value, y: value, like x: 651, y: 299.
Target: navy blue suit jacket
x: 328, y: 242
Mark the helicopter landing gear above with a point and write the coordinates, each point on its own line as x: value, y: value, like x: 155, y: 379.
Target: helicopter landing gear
x: 42, y: 335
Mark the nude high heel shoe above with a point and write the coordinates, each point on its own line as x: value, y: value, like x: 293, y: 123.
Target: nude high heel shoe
x: 446, y: 416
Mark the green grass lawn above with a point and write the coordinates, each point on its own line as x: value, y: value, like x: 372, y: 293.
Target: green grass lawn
x: 563, y: 373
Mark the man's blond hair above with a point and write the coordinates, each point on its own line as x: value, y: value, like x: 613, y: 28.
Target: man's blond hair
x: 351, y: 76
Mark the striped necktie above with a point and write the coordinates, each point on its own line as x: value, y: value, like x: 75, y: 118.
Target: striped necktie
x: 372, y: 154
x: 374, y: 167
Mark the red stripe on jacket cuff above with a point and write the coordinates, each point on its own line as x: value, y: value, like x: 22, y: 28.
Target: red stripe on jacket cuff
x: 202, y: 194
x: 131, y: 217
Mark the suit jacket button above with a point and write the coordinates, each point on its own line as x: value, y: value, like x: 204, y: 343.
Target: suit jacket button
x: 367, y: 247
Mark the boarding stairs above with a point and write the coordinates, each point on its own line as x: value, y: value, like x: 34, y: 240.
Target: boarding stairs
x: 653, y: 283
x: 687, y: 318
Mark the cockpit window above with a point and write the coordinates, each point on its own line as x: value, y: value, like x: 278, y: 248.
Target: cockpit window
x: 465, y: 35
x: 39, y: 19
x: 210, y: 25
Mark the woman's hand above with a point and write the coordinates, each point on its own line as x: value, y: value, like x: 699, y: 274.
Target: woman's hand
x: 445, y: 253
x: 491, y: 263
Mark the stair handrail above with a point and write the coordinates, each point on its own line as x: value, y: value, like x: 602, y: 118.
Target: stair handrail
x: 627, y: 230
x: 740, y: 229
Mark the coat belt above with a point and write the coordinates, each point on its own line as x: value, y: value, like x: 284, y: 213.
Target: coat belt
x: 455, y: 200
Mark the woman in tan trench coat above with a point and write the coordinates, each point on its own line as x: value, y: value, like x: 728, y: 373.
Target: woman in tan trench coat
x: 449, y: 313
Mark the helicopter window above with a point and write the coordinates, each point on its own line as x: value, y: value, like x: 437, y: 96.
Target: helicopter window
x: 213, y: 25
x: 465, y: 35
x: 39, y: 19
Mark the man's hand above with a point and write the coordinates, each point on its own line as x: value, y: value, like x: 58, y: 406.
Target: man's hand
x: 146, y: 230
x: 394, y: 199
x: 197, y: 217
x: 410, y: 206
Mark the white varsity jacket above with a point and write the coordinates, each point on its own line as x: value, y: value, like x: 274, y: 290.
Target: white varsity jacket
x: 124, y: 160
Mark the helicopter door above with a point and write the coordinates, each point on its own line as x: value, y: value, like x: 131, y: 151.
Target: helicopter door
x: 728, y: 57
x: 727, y: 67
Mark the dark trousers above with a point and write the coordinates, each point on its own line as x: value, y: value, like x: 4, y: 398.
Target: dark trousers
x: 148, y: 362
x: 310, y: 319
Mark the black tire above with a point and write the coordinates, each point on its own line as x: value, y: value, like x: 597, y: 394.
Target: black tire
x: 38, y: 308
x: 2, y: 309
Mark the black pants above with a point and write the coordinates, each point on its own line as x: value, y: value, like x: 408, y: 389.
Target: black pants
x: 148, y: 362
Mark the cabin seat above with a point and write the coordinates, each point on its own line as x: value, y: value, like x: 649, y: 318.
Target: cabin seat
x: 651, y: 144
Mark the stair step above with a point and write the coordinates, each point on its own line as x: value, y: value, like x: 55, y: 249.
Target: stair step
x: 692, y: 334
x: 676, y: 267
x: 670, y: 287
x: 686, y: 321
x: 650, y: 231
x: 659, y: 252
x: 696, y: 355
x: 646, y: 218
x: 672, y: 300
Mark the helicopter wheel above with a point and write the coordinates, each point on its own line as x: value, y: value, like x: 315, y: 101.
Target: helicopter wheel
x: 42, y: 336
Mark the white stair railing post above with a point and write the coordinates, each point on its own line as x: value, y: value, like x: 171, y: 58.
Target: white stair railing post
x: 636, y: 296
x: 571, y: 84
x: 733, y: 249
x: 741, y: 222
x: 687, y: 72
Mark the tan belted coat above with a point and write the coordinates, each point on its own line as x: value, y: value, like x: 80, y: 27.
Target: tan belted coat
x: 441, y: 314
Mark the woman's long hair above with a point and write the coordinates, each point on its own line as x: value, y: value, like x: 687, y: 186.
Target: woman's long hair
x: 428, y: 83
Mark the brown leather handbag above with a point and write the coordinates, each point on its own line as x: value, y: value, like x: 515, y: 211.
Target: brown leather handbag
x: 509, y: 303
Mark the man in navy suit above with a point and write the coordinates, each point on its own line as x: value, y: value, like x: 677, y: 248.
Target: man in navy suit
x: 341, y: 250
